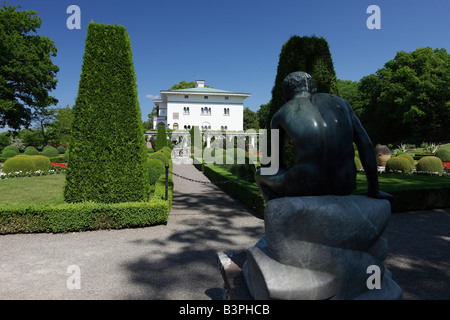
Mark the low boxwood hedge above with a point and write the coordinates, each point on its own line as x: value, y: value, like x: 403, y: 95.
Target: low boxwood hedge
x: 88, y: 216
x: 84, y: 216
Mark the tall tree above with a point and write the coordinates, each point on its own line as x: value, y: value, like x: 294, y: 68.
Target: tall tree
x: 308, y: 54
x: 185, y: 85
x: 107, y: 160
x: 250, y: 119
x: 27, y: 73
x: 408, y: 100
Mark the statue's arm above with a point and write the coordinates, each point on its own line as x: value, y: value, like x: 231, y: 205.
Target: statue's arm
x: 367, y: 156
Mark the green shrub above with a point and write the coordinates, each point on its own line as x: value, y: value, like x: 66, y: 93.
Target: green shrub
x: 13, y: 148
x: 167, y: 151
x: 9, y: 154
x: 50, y: 151
x: 401, y: 164
x: 156, y: 168
x: 160, y: 155
x: 41, y: 163
x: 19, y: 163
x: 61, y: 149
x: 443, y: 154
x: 108, y: 160
x: 358, y: 164
x: 430, y: 164
x: 81, y: 216
x: 410, y: 159
x: 31, y: 151
x: 161, y: 138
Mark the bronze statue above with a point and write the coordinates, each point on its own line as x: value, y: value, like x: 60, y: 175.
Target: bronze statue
x: 323, y: 128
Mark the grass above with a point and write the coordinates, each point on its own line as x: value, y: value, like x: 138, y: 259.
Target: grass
x: 33, y: 190
x: 397, y: 182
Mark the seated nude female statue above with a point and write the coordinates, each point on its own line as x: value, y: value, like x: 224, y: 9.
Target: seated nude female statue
x: 323, y: 128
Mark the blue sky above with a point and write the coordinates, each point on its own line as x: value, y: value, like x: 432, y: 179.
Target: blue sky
x: 235, y: 44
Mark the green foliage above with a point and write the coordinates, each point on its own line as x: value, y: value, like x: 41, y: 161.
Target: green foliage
x: 25, y: 58
x: 167, y: 151
x: 159, y: 155
x: 26, y: 163
x: 263, y: 115
x: 50, y: 151
x: 156, y: 168
x: 185, y: 85
x: 12, y: 148
x: 308, y: 54
x: 408, y: 100
x: 41, y: 163
x: 8, y: 154
x: 19, y: 163
x: 108, y: 161
x: 358, y: 163
x: 401, y: 164
x: 61, y: 149
x: 31, y: 151
x: 430, y: 164
x: 251, y: 120
x: 409, y: 157
x: 349, y: 91
x: 443, y: 154
x: 161, y: 138
x: 81, y: 216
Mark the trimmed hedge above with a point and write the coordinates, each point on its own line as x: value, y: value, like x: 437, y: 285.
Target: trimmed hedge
x: 108, y: 157
x: 430, y: 164
x: 399, y: 163
x: 84, y: 216
x: 156, y: 168
x: 443, y: 154
x: 244, y: 191
x: 31, y: 151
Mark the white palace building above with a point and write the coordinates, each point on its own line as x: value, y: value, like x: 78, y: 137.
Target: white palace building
x: 207, y: 108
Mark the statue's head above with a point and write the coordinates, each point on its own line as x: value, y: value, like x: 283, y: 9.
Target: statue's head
x: 298, y: 82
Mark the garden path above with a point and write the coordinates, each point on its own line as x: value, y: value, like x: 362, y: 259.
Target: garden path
x: 173, y: 261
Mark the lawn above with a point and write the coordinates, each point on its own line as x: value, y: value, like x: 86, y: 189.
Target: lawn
x: 33, y: 190
x: 397, y: 182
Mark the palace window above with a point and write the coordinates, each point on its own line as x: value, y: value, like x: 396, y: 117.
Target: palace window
x: 226, y: 111
x: 206, y: 111
x: 186, y: 110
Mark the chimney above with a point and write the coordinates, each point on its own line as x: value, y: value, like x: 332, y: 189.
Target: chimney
x: 199, y: 83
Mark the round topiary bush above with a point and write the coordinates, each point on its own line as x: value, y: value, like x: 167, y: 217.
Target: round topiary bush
x: 13, y: 148
x: 401, y: 164
x: 19, y: 163
x: 409, y: 158
x: 160, y: 156
x: 8, y: 154
x: 156, y: 168
x: 430, y: 164
x: 50, y: 152
x: 41, y: 163
x: 31, y: 151
x: 443, y: 154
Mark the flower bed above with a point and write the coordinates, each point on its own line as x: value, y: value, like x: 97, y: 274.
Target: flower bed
x: 56, y: 168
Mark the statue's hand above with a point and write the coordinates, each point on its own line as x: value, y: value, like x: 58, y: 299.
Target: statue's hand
x: 380, y: 195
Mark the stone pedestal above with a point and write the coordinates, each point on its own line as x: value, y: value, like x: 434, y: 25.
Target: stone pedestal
x: 321, y: 247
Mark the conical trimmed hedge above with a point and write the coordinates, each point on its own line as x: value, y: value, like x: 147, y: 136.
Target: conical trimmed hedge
x: 107, y: 160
